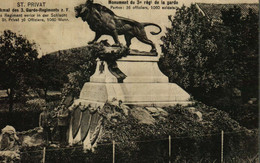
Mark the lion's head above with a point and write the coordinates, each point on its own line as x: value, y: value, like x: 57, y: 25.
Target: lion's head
x: 80, y: 10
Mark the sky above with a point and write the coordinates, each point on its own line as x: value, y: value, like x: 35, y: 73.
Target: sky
x: 54, y: 36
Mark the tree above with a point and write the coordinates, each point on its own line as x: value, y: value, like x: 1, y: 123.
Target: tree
x: 243, y: 42
x: 211, y: 61
x: 17, y: 58
x: 49, y: 76
x: 190, y: 52
x: 79, y: 64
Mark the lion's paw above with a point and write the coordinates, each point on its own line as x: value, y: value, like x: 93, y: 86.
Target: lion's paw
x: 91, y: 42
x: 153, y: 51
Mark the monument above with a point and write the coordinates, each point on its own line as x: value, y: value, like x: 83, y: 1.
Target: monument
x: 133, y: 78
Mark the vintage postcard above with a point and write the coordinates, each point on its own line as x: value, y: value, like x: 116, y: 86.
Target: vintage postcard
x: 129, y: 81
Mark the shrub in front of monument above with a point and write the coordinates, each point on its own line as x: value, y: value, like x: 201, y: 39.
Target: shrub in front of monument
x: 243, y: 112
x: 246, y: 115
x: 195, y: 132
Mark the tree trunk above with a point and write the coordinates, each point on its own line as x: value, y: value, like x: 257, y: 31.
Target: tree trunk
x: 10, y: 98
x: 45, y: 94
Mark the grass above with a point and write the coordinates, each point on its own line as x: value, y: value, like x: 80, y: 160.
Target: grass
x: 254, y: 159
x: 49, y: 93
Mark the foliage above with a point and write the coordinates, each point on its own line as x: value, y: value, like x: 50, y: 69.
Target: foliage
x: 215, y: 62
x: 242, y: 42
x: 17, y: 58
x: 35, y: 103
x: 68, y: 70
x: 193, y: 139
x: 25, y: 115
x: 65, y: 71
x: 80, y: 63
x: 48, y: 75
x: 188, y: 50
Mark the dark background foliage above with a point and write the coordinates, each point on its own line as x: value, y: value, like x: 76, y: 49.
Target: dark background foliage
x: 217, y: 63
x: 17, y: 61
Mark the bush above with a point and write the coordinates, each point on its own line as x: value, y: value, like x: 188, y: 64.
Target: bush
x: 192, y: 140
x: 25, y: 116
x: 34, y: 104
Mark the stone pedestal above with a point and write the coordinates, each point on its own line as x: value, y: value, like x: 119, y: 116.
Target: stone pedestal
x: 144, y: 84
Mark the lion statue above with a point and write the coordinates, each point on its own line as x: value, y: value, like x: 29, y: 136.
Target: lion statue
x: 103, y: 21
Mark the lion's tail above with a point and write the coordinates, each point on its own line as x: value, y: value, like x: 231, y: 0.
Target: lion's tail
x: 153, y: 33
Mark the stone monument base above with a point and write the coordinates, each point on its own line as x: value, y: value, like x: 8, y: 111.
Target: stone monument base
x: 144, y: 84
x: 141, y: 94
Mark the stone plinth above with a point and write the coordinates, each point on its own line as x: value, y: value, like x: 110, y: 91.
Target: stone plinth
x: 141, y: 69
x: 138, y: 69
x: 144, y: 84
x: 144, y: 94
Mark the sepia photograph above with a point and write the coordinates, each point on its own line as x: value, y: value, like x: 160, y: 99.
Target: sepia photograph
x: 129, y: 81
